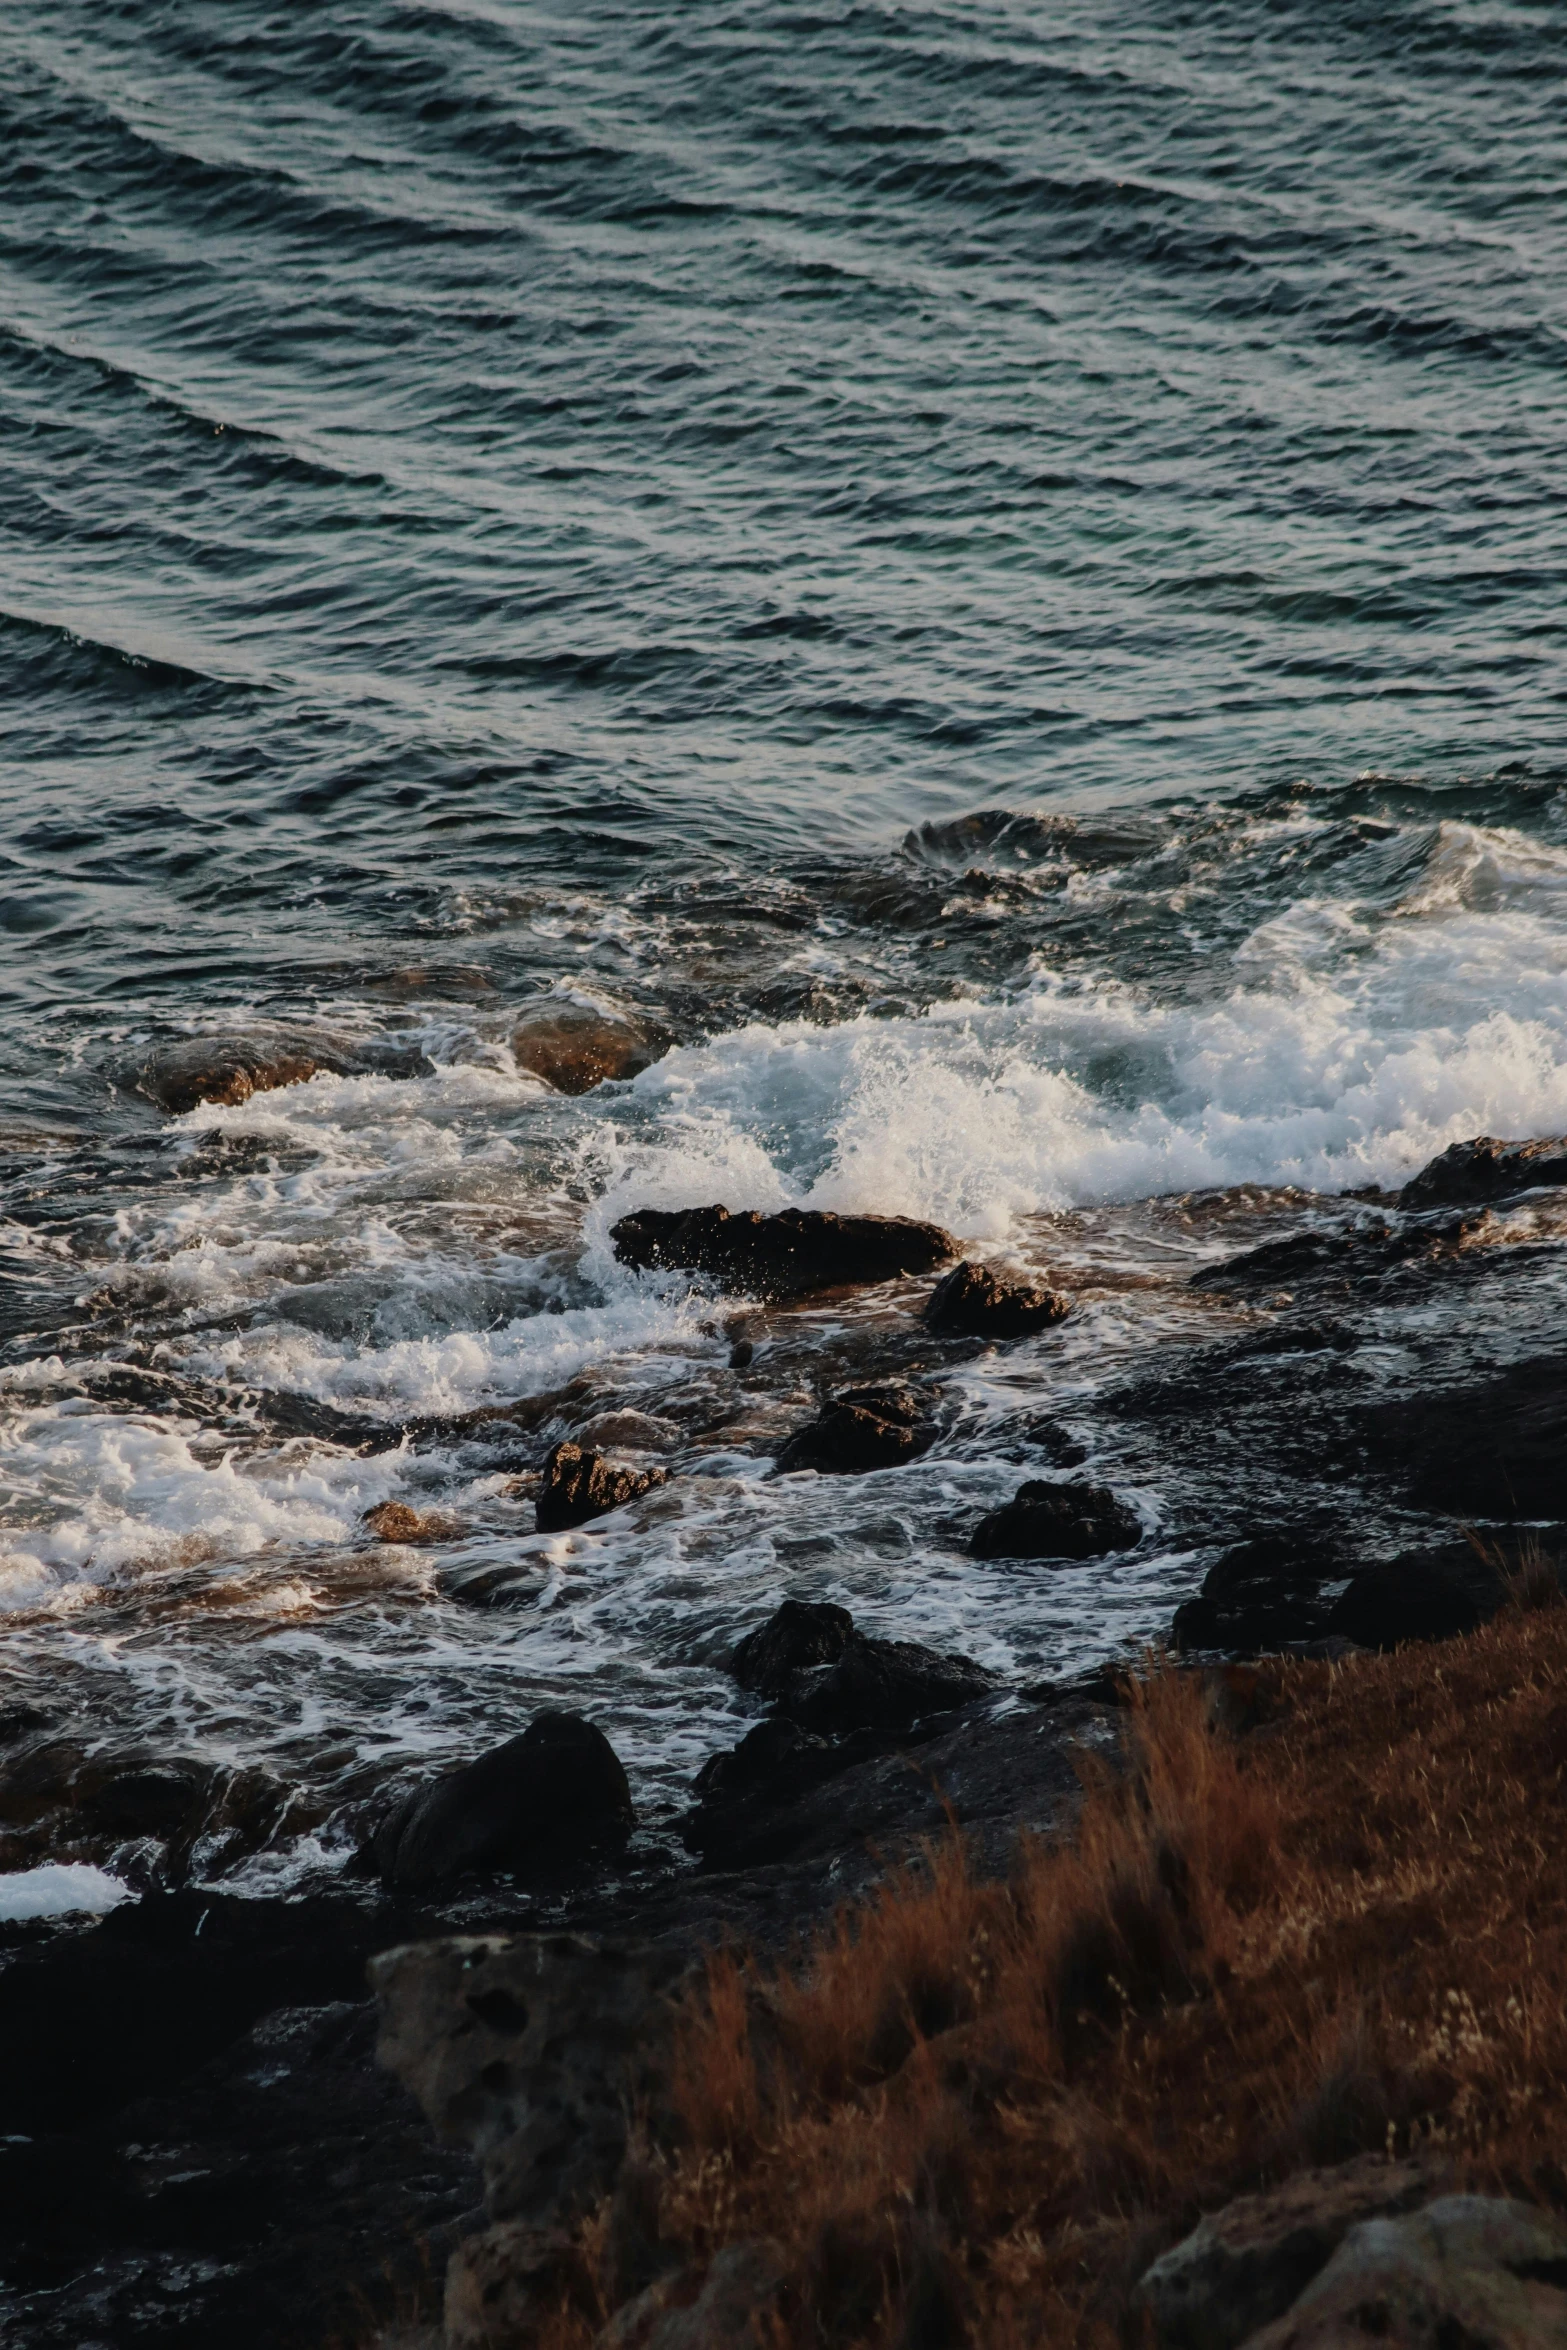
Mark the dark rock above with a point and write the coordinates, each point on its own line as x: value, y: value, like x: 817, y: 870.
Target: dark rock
x: 1060, y: 1447
x: 575, y: 1047
x: 862, y: 1429
x: 974, y: 1302
x: 787, y: 1255
x: 883, y: 1685
x: 1339, y: 1256
x: 579, y: 1485
x: 777, y: 1754
x: 1497, y: 1450
x: 1262, y: 1596
x: 540, y: 1803
x: 1245, y: 2265
x: 741, y: 1355
x: 1430, y: 1596
x: 1469, y: 2272
x: 1047, y: 1521
x: 1469, y: 1173
x: 62, y: 1800
x: 799, y: 1634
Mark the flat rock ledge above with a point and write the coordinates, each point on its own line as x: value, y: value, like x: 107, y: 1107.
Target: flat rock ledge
x: 788, y: 1255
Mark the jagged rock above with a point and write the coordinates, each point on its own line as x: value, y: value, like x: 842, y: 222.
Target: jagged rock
x: 394, y: 1521
x: 1469, y: 1173
x: 1469, y: 2272
x: 60, y: 1800
x: 1049, y: 1521
x: 1245, y: 2265
x: 787, y: 1255
x: 974, y: 1302
x: 1262, y: 1595
x: 777, y: 1755
x: 862, y: 1429
x: 533, y: 2051
x: 575, y: 1047
x: 580, y: 1485
x: 544, y: 1801
x: 800, y: 1633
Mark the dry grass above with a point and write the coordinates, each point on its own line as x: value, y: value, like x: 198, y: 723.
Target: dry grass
x: 973, y: 2112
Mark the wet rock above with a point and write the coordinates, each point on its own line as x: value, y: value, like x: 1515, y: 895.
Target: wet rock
x: 1245, y: 2265
x: 863, y: 1428
x: 1469, y: 2272
x: 787, y: 1255
x: 579, y: 1485
x: 547, y: 1801
x: 974, y: 1302
x: 226, y: 1070
x: 61, y: 1800
x: 394, y: 1521
x: 801, y: 1633
x: 576, y: 1046
x: 1470, y: 1173
x: 1497, y: 1450
x: 532, y: 2051
x: 1051, y: 1521
x: 777, y: 1754
x: 1262, y: 1596
x: 882, y: 1685
x: 1430, y: 1595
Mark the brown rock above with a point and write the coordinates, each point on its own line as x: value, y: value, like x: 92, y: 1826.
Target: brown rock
x: 577, y: 1046
x: 973, y: 1302
x: 1470, y: 2272
x: 394, y: 1521
x: 735, y: 2306
x: 1484, y: 1169
x: 580, y: 1485
x: 1245, y: 2265
x: 791, y: 1254
x: 226, y: 1070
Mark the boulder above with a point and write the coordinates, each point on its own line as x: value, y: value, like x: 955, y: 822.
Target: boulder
x: 777, y: 1755
x: 542, y: 1802
x: 974, y: 1302
x: 1431, y: 1595
x: 882, y: 1685
x: 580, y: 1485
x: 227, y: 1070
x: 799, y: 1634
x: 1245, y: 2265
x: 862, y: 1429
x: 783, y: 1256
x: 1469, y: 1173
x: 1493, y: 1450
x: 1261, y: 1596
x: 1057, y: 1521
x: 1469, y: 2272
x: 575, y: 1046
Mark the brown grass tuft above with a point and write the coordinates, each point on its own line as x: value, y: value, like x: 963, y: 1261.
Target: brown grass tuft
x: 974, y: 2111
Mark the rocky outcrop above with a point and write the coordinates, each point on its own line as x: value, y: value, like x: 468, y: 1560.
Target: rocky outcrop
x: 1244, y: 2266
x: 973, y: 1302
x: 799, y: 1634
x: 1057, y: 1521
x: 1470, y: 1173
x: 580, y: 1485
x: 831, y: 1679
x: 575, y: 1046
x: 547, y: 1801
x: 534, y: 2052
x: 787, y: 1255
x: 1469, y: 2272
x: 863, y: 1428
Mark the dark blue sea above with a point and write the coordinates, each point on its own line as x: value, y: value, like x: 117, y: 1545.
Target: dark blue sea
x: 987, y: 581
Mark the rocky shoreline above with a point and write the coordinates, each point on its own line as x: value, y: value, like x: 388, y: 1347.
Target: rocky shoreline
x: 195, y: 2142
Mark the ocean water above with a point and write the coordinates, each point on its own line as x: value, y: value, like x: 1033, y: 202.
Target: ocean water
x: 992, y: 574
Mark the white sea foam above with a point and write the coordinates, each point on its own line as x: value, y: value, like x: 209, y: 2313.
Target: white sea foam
x: 58, y: 1891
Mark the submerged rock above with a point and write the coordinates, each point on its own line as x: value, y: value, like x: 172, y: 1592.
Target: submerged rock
x: 226, y: 1070
x: 862, y: 1429
x: 552, y: 1798
x: 974, y: 1302
x: 575, y: 1047
x: 580, y: 1485
x: 1469, y: 1173
x: 1050, y: 1521
x: 787, y: 1255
